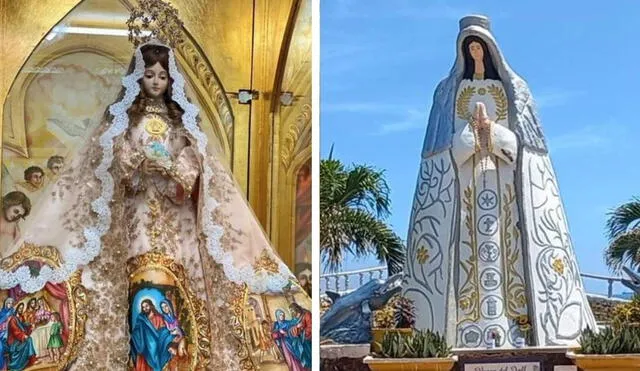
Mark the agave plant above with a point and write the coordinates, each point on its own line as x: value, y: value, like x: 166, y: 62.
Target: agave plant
x: 418, y: 344
x: 625, y: 340
x: 405, y: 313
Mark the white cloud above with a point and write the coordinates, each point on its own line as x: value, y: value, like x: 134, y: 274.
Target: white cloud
x: 412, y: 120
x: 364, y: 107
x: 556, y: 97
x: 588, y: 137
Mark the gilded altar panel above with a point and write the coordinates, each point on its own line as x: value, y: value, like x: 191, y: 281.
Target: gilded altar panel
x: 291, y: 211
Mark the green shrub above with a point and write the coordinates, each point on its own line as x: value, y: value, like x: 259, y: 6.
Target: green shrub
x: 625, y: 340
x: 417, y: 344
x: 627, y: 314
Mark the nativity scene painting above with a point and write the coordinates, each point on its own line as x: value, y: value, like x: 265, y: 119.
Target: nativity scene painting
x: 278, y: 331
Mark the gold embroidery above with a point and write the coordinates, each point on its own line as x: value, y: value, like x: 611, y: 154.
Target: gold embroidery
x: 265, y: 263
x: 156, y: 126
x: 154, y: 227
x: 199, y: 324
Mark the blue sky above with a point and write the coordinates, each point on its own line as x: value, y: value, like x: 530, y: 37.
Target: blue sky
x: 381, y: 60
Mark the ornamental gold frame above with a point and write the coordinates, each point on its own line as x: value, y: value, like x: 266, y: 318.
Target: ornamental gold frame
x: 199, y: 318
x: 76, y: 293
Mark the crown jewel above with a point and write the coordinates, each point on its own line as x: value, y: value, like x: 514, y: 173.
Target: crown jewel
x: 154, y: 20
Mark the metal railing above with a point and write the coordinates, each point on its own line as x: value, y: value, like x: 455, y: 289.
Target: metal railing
x: 343, y: 282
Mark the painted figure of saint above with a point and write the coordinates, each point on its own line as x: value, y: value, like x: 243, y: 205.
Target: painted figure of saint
x: 151, y: 339
x: 489, y: 251
x: 15, y: 207
x: 289, y: 344
x: 20, y: 350
x: 150, y: 187
x: 178, y: 344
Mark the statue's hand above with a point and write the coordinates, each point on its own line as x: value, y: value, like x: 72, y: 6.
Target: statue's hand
x: 481, y: 117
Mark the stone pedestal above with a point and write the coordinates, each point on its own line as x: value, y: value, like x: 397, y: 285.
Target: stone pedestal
x: 343, y: 357
x: 547, y: 357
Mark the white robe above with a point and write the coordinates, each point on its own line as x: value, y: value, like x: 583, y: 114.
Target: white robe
x: 488, y: 247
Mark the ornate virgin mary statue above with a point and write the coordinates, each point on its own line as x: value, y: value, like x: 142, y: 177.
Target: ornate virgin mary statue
x: 489, y: 254
x: 146, y: 248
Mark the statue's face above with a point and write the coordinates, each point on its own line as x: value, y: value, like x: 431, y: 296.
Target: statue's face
x: 13, y: 213
x: 476, y: 51
x: 36, y: 179
x: 155, y: 81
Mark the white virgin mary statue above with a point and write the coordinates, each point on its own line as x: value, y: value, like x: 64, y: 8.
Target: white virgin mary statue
x: 489, y: 257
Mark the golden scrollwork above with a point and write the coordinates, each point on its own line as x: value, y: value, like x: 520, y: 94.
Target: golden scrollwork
x: 469, y: 290
x: 205, y: 74
x: 238, y: 323
x: 462, y: 103
x: 76, y: 294
x: 513, y: 288
x: 200, y: 327
x: 496, y: 92
x: 500, y: 99
x: 298, y: 137
x: 266, y: 263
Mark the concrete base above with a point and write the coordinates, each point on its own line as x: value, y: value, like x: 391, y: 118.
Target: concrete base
x: 343, y: 357
x: 547, y: 356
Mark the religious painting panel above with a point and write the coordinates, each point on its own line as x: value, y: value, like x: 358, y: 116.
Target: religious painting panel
x: 276, y: 330
x: 168, y: 324
x: 41, y: 330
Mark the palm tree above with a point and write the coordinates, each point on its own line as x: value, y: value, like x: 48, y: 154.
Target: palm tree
x: 354, y: 204
x: 624, y: 236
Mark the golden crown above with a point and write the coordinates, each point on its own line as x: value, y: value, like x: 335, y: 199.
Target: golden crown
x: 154, y: 19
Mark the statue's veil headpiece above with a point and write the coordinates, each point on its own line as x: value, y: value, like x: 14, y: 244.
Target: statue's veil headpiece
x: 246, y: 257
x: 522, y: 113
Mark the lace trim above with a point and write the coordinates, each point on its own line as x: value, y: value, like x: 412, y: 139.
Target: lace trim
x: 257, y: 282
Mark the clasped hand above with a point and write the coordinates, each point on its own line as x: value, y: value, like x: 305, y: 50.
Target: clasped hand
x: 480, y: 116
x: 149, y: 167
